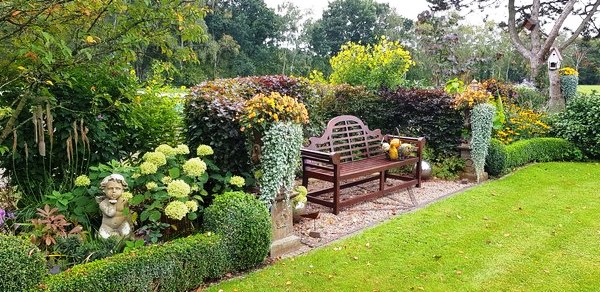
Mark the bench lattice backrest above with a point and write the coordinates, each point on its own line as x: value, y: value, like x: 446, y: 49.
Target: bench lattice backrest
x: 350, y: 137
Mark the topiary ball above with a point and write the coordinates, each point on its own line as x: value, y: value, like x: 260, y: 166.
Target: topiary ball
x: 22, y: 265
x: 245, y: 225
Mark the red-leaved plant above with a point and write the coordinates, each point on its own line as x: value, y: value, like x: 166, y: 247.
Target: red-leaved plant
x: 49, y: 226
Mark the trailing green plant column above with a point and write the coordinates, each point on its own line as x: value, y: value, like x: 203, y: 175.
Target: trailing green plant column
x: 280, y: 159
x: 482, y: 117
x: 569, y: 78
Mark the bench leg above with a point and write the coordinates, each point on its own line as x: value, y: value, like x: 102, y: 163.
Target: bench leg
x: 336, y: 197
x: 305, y: 181
x: 382, y: 179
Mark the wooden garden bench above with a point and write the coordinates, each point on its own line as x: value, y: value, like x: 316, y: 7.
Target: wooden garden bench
x: 349, y: 154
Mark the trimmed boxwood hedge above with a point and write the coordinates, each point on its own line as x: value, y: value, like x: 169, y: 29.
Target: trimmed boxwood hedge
x: 178, y: 265
x: 502, y: 159
x: 22, y: 265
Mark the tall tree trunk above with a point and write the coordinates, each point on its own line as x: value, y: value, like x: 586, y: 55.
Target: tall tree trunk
x: 556, y: 103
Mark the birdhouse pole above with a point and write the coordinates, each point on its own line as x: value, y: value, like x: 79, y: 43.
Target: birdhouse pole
x: 556, y: 102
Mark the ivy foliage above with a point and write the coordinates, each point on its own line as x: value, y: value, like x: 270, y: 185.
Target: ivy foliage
x: 280, y: 159
x: 482, y: 117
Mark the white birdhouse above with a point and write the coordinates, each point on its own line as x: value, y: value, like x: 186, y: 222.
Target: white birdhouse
x: 554, y: 59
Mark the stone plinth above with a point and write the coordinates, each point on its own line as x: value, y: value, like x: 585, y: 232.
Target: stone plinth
x: 469, y: 172
x: 284, y: 240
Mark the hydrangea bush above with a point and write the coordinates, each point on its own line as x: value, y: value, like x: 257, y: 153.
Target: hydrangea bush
x: 169, y: 186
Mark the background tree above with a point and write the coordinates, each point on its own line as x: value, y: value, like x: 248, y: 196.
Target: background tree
x: 253, y: 26
x: 350, y: 21
x: 542, y: 15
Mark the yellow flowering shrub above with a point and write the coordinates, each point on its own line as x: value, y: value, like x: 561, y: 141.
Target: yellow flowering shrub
x: 471, y: 97
x: 568, y: 71
x: 380, y: 65
x: 264, y: 110
x: 522, y: 124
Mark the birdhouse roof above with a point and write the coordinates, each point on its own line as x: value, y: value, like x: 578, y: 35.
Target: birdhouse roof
x: 555, y: 50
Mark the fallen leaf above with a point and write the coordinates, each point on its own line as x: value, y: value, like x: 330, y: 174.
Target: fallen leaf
x: 458, y: 272
x: 288, y: 283
x: 330, y: 276
x: 367, y: 244
x: 355, y: 258
x: 458, y: 216
x: 506, y: 234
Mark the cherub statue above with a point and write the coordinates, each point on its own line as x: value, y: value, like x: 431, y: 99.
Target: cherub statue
x: 114, y: 222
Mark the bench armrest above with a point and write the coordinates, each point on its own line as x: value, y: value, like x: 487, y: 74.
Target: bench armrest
x: 325, y: 157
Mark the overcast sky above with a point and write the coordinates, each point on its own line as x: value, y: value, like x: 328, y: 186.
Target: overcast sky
x: 411, y: 8
x: 317, y: 6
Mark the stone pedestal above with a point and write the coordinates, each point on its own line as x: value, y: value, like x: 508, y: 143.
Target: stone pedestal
x: 469, y: 172
x: 284, y: 240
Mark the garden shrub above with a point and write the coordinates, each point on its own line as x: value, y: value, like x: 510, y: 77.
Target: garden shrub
x: 495, y: 161
x: 448, y: 167
x: 95, y: 116
x: 245, y: 224
x: 580, y: 124
x: 416, y: 112
x: 530, y: 98
x: 178, y: 265
x: 212, y: 109
x: 500, y: 88
x: 73, y: 250
x: 22, y: 265
x: 345, y: 99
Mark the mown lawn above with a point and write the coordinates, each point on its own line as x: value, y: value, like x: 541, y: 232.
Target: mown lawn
x: 588, y: 88
x: 535, y: 230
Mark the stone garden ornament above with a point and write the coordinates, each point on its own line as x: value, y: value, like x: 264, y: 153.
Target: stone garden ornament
x: 112, y: 204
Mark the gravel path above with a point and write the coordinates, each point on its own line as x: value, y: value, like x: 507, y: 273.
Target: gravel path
x: 355, y: 218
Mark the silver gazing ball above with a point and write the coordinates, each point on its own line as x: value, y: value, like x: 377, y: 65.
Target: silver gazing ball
x: 425, y: 170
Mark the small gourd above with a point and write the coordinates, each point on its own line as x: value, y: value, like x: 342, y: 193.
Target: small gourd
x: 393, y: 153
x: 395, y: 143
